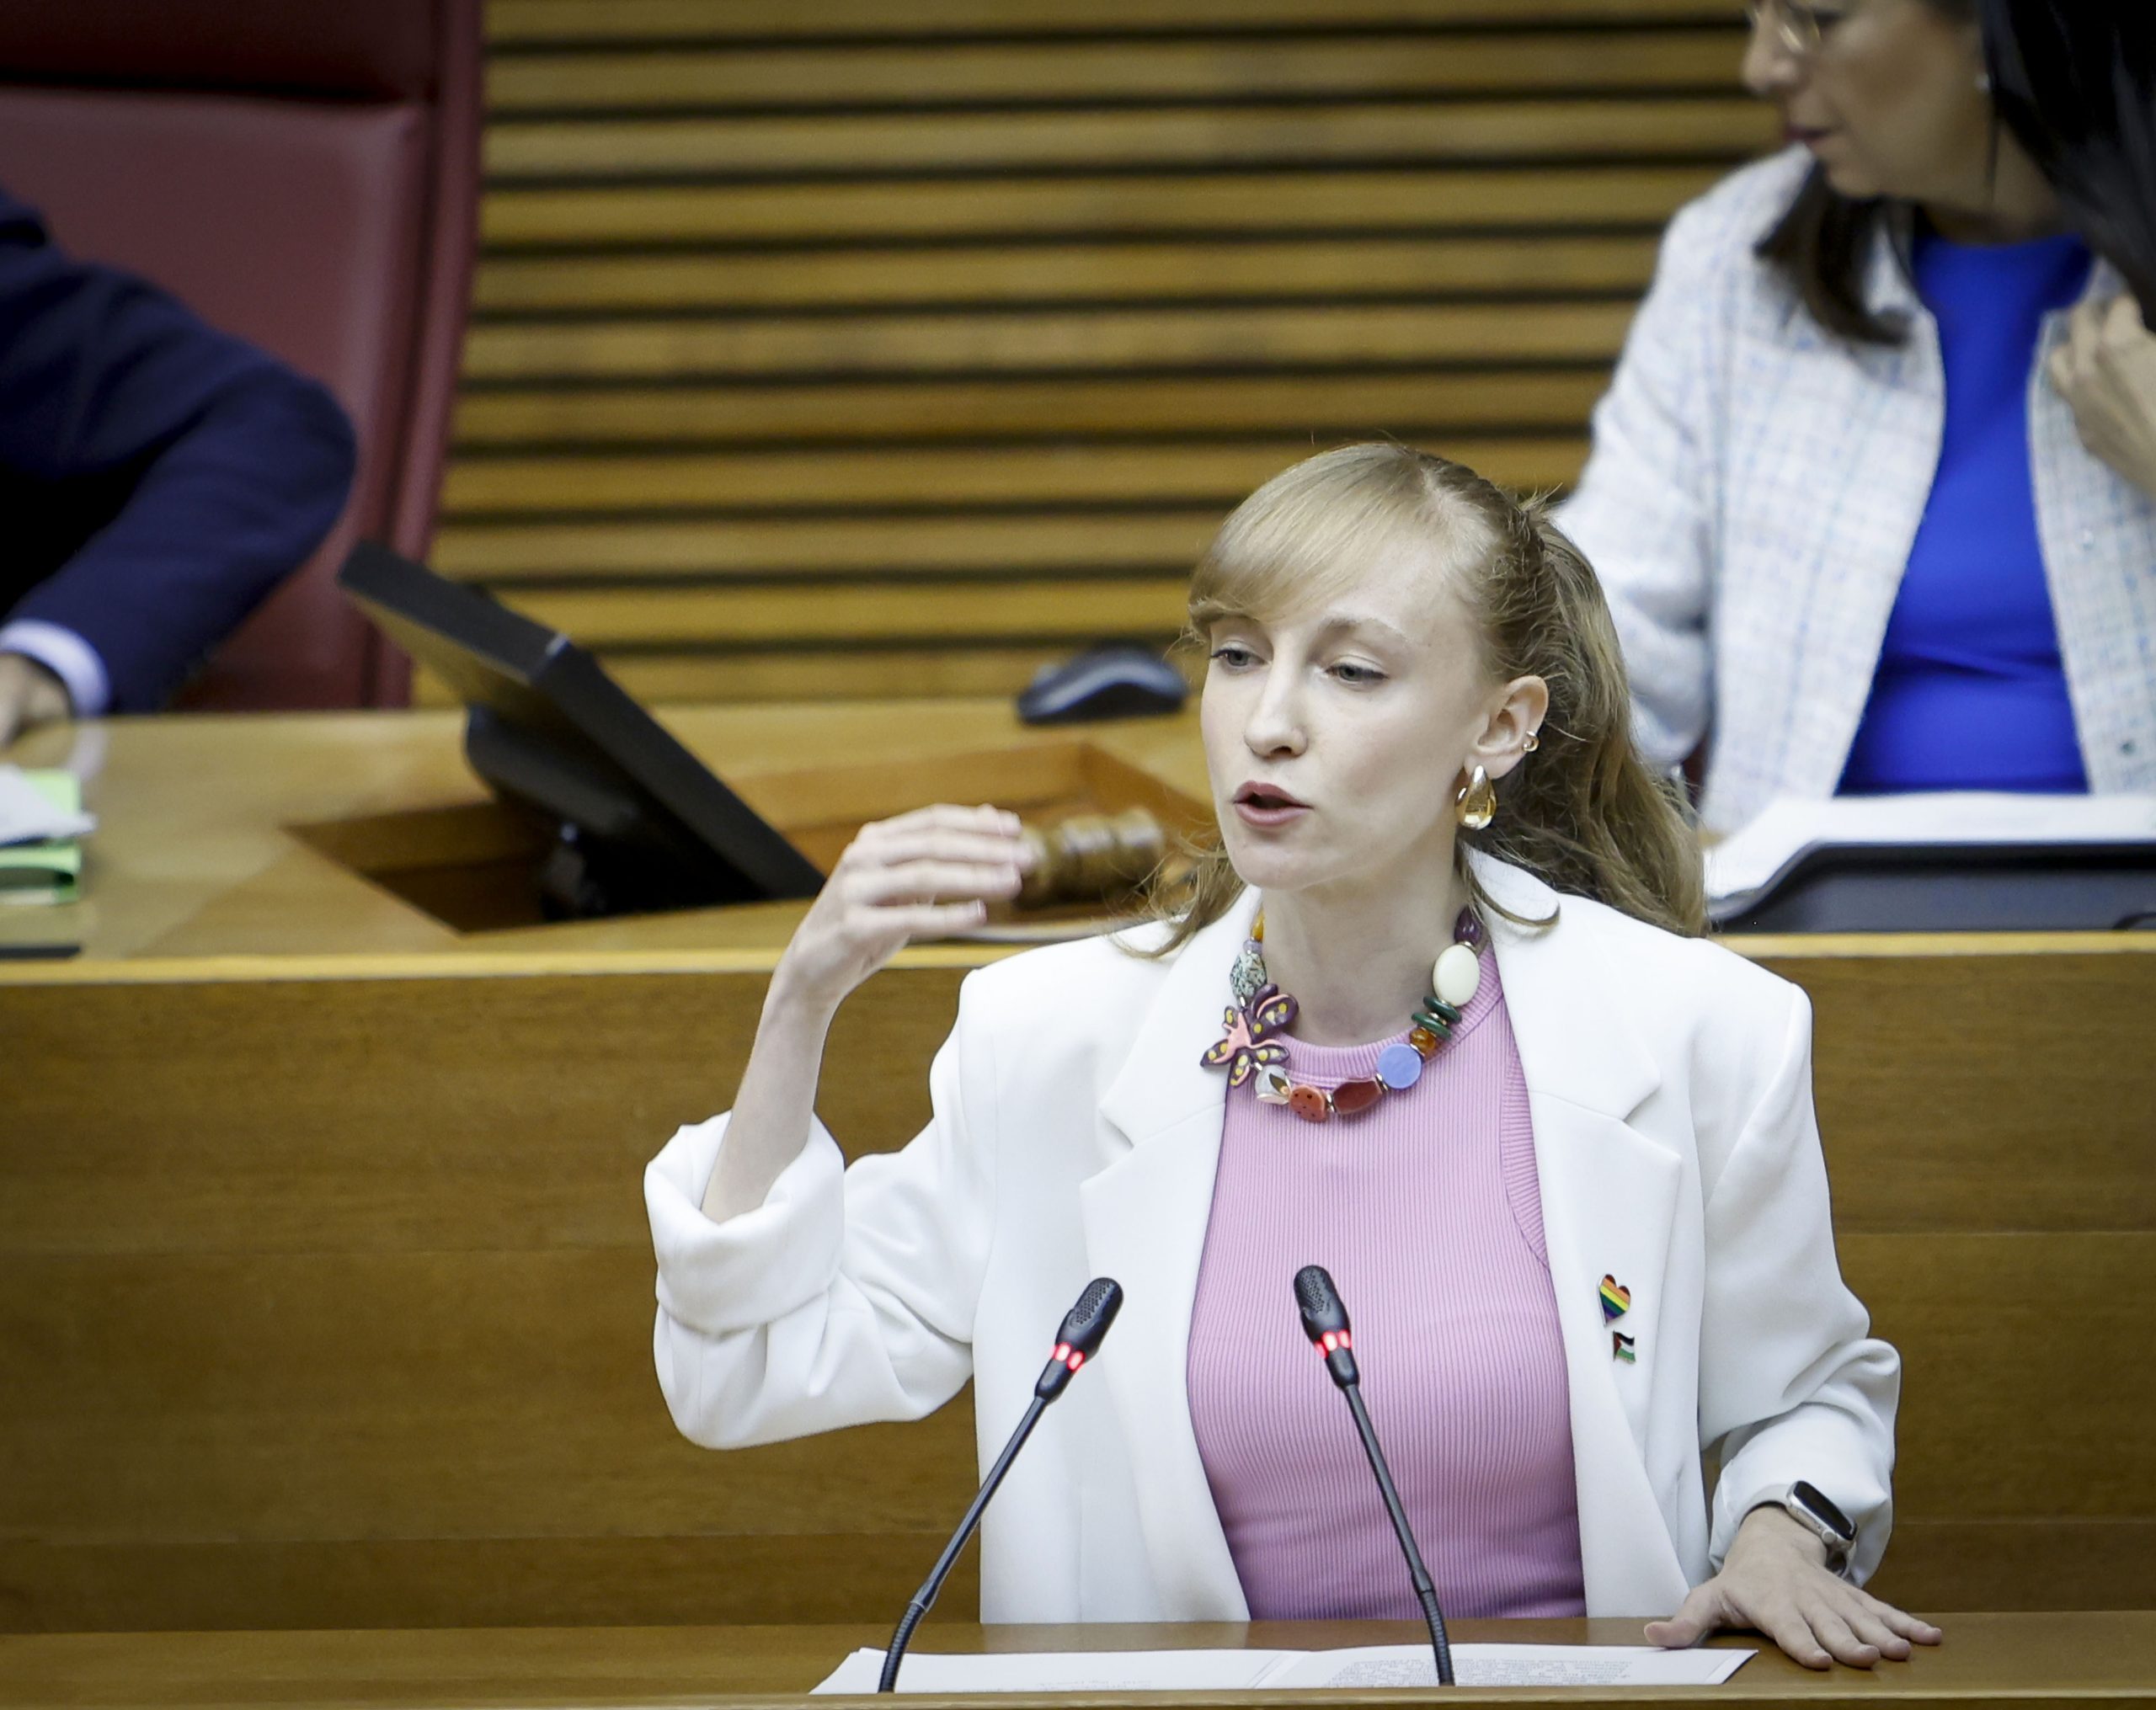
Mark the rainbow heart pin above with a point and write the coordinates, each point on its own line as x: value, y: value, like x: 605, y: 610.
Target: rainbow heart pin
x: 1616, y: 1300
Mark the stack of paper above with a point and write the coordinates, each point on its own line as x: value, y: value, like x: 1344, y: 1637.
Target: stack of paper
x: 41, y: 826
x: 1275, y: 1671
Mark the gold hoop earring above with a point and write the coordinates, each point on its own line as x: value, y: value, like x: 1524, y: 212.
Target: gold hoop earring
x: 1475, y: 801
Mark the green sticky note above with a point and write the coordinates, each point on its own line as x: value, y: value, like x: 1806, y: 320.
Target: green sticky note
x: 50, y: 871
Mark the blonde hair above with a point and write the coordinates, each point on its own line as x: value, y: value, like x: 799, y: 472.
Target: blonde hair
x: 1584, y: 812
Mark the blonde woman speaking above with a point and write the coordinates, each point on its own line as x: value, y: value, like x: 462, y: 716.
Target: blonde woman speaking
x: 1435, y: 1017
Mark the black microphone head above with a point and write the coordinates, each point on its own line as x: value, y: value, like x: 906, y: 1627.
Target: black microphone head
x: 1320, y: 1304
x: 1087, y: 1322
x: 1084, y: 1327
x: 1324, y: 1322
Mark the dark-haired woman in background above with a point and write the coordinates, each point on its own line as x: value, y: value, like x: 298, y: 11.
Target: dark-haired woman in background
x: 1874, y: 489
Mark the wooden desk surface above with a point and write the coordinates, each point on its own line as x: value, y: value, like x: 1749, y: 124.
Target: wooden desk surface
x: 2031, y: 1660
x: 195, y: 870
x: 195, y: 856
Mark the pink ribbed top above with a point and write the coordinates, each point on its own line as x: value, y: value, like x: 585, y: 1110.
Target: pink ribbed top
x: 1426, y: 1212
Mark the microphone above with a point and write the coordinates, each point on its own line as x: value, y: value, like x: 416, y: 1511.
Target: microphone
x: 1324, y: 1322
x: 1077, y: 1340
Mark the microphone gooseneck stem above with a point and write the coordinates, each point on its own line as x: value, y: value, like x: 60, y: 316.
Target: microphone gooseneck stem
x: 924, y: 1600
x: 1418, y: 1575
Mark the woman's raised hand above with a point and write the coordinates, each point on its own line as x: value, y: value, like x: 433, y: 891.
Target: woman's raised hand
x: 922, y: 875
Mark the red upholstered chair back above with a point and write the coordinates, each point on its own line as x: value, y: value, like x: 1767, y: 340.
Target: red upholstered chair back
x: 307, y: 176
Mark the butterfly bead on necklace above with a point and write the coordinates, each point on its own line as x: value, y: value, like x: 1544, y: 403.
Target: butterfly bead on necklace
x: 1248, y: 1045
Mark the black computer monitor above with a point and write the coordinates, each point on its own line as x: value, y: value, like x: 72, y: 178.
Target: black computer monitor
x: 639, y: 824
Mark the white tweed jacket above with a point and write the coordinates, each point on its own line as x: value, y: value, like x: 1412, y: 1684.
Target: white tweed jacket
x: 1755, y: 487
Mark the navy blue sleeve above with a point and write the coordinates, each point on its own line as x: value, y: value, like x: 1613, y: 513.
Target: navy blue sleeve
x: 232, y: 467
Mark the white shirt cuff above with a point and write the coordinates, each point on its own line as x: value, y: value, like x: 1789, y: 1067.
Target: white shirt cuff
x: 66, y: 655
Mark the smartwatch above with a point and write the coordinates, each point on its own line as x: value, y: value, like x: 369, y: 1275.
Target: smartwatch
x: 1811, y: 1509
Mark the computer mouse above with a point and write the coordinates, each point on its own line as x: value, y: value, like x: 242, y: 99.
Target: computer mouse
x: 1109, y: 682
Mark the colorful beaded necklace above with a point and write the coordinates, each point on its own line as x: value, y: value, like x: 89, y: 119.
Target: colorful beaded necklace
x: 1250, y: 1052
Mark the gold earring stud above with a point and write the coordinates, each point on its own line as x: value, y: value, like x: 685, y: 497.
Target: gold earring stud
x: 1531, y: 742
x: 1475, y: 801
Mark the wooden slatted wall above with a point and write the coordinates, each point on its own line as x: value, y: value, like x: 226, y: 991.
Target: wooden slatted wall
x: 860, y: 347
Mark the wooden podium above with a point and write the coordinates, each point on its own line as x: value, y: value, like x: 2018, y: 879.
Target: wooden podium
x: 1987, y: 1662
x: 325, y: 1286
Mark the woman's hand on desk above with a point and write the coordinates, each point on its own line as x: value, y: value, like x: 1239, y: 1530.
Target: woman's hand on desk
x: 922, y: 875
x: 2106, y: 370
x: 1775, y: 1578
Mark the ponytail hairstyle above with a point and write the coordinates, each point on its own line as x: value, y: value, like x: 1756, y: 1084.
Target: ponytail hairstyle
x: 1584, y: 813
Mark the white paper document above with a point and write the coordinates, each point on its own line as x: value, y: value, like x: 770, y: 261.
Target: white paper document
x: 29, y: 814
x: 1276, y: 1670
x: 1745, y: 861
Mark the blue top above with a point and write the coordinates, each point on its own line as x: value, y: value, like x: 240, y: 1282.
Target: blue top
x: 1970, y: 693
x: 157, y: 478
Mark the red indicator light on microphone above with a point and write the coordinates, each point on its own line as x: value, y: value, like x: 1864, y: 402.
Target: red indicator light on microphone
x: 1062, y: 1353
x: 1074, y: 1362
x: 1330, y: 1340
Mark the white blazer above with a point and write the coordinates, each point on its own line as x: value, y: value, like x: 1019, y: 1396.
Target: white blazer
x: 1755, y: 487
x: 1075, y: 1134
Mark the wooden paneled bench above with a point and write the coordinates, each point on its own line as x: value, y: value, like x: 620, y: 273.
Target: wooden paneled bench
x: 325, y: 1287
x: 326, y: 1292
